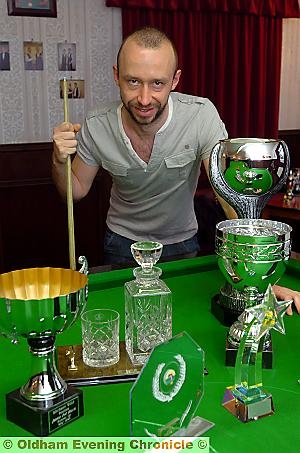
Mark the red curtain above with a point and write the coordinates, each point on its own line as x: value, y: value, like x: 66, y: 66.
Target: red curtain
x: 278, y: 8
x: 229, y: 51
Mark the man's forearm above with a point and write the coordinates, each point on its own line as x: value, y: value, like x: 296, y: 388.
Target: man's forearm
x: 82, y: 176
x: 59, y: 176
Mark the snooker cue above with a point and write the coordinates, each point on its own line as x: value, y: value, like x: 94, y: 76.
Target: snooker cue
x: 69, y: 186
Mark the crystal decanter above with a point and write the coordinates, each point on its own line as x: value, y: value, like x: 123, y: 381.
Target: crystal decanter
x: 148, y: 304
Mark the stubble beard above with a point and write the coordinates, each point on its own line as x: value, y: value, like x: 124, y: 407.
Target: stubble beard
x: 140, y: 121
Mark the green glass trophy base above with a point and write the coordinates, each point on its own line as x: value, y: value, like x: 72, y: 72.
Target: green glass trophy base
x: 44, y: 421
x: 247, y: 411
x: 231, y: 353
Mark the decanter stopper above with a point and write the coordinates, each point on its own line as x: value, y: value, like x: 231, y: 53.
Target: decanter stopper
x: 146, y: 254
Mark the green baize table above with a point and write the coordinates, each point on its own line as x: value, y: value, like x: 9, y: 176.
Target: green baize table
x: 193, y: 282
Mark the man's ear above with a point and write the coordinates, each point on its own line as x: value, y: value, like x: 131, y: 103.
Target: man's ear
x: 176, y: 79
x: 116, y: 74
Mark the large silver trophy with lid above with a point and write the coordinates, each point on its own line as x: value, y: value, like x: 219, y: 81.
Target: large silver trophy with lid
x: 246, y: 172
x: 37, y: 304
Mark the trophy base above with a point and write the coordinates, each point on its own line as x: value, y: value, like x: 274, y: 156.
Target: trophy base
x: 76, y: 372
x: 44, y: 421
x: 225, y: 315
x: 247, y: 412
x: 197, y: 427
x: 231, y: 353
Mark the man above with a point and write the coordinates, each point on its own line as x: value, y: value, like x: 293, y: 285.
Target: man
x: 69, y: 60
x: 29, y: 60
x: 76, y: 91
x: 4, y: 57
x: 152, y: 144
x: 63, y: 64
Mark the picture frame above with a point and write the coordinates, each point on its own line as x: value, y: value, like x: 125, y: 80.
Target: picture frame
x: 36, y: 8
x: 33, y: 56
x: 66, y: 52
x: 76, y: 88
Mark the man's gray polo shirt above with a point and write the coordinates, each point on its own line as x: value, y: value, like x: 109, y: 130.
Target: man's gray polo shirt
x: 154, y: 200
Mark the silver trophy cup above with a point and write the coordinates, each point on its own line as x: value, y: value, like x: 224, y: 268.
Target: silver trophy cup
x: 252, y: 255
x: 37, y: 304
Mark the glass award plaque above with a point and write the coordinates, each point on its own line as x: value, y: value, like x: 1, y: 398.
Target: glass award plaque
x: 165, y: 396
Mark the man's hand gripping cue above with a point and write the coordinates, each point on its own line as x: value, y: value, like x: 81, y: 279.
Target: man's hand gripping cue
x: 65, y: 143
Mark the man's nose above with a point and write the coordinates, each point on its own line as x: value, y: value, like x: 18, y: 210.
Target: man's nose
x: 144, y: 97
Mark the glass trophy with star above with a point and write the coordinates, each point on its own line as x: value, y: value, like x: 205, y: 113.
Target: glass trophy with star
x: 167, y: 392
x: 247, y: 399
x: 148, y: 304
x: 246, y: 172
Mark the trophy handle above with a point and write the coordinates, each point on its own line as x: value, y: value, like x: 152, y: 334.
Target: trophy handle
x: 246, y: 206
x: 84, y: 268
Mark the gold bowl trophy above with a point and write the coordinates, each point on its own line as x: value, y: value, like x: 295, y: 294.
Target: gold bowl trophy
x: 246, y: 172
x: 37, y: 304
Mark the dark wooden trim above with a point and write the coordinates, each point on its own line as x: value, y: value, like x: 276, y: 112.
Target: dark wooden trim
x: 36, y: 146
x: 289, y: 132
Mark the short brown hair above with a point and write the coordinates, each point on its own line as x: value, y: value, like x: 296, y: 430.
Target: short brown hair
x: 149, y: 38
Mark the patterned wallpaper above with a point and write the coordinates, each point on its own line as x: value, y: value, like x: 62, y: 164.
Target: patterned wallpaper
x: 30, y: 103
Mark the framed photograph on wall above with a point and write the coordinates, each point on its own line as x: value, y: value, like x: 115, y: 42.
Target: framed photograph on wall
x: 75, y: 89
x: 37, y: 8
x: 33, y: 56
x: 66, y: 52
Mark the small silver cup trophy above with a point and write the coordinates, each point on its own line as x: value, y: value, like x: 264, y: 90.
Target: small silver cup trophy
x: 246, y: 172
x: 37, y: 304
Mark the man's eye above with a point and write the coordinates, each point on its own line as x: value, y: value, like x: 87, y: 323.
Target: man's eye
x: 133, y: 82
x: 157, y: 83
